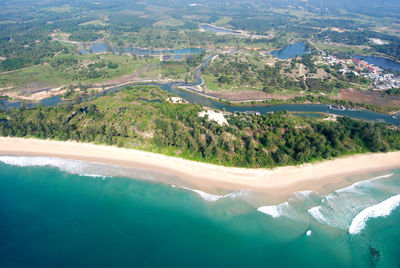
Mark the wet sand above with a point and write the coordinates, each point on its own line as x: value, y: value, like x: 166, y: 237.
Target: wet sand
x: 321, y: 176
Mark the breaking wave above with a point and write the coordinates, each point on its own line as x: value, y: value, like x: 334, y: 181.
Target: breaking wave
x: 204, y: 195
x: 363, y: 183
x: 293, y: 206
x: 213, y: 197
x: 379, y: 210
x: 274, y: 211
x: 338, y: 208
x: 69, y: 166
x: 77, y: 167
x: 316, y: 213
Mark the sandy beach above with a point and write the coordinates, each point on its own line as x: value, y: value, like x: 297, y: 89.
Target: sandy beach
x: 281, y: 181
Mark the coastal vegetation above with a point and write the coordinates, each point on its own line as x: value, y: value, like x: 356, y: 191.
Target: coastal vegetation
x: 41, y: 50
x: 39, y: 46
x: 79, y: 71
x: 142, y: 117
x: 248, y: 71
x: 96, y: 92
x: 320, y: 99
x: 254, y: 71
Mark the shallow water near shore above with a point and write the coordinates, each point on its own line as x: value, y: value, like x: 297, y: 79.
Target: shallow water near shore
x: 67, y: 213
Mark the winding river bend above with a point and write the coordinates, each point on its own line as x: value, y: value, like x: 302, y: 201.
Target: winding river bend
x: 195, y: 97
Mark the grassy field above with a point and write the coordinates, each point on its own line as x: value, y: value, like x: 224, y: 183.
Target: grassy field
x: 339, y: 48
x: 60, y: 9
x: 73, y: 69
x: 168, y: 22
x: 96, y: 22
x: 240, y: 68
x: 249, y: 70
x: 91, y: 69
x: 30, y: 75
x: 223, y: 21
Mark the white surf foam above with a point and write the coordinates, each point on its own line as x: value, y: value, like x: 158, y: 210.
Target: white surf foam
x: 83, y: 168
x: 94, y: 176
x: 274, y: 211
x: 213, y: 197
x: 26, y: 161
x: 379, y: 210
x: 238, y: 194
x: 204, y: 195
x: 99, y: 170
x: 363, y: 183
x: 291, y: 207
x: 316, y: 213
x: 338, y: 208
x: 382, y: 177
x: 303, y: 194
x: 80, y: 168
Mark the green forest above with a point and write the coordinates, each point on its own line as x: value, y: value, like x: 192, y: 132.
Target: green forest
x: 142, y: 117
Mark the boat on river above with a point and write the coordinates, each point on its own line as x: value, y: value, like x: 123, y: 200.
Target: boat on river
x: 337, y: 107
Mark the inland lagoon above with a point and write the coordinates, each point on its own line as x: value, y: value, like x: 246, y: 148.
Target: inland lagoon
x: 290, y: 51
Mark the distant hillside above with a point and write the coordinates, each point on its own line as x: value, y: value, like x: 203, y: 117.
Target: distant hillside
x: 369, y: 7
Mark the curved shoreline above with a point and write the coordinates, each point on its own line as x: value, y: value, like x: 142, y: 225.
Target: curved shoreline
x: 280, y: 181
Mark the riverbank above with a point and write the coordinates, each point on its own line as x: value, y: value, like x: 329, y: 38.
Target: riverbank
x: 251, y: 98
x: 212, y: 178
x: 49, y: 93
x: 255, y: 100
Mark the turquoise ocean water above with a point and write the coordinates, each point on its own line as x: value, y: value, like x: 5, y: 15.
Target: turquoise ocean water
x: 64, y: 213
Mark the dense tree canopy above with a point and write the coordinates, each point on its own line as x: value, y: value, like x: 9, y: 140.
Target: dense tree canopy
x: 141, y: 117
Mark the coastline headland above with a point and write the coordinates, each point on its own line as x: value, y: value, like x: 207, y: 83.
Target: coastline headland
x: 320, y: 176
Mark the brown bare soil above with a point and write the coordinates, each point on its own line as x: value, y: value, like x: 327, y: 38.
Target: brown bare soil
x: 134, y: 76
x: 247, y: 95
x: 123, y: 79
x: 369, y: 97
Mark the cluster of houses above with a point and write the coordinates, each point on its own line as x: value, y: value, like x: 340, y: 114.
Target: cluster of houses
x: 384, y: 81
x: 380, y: 79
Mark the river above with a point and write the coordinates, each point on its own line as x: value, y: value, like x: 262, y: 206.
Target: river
x: 193, y: 97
